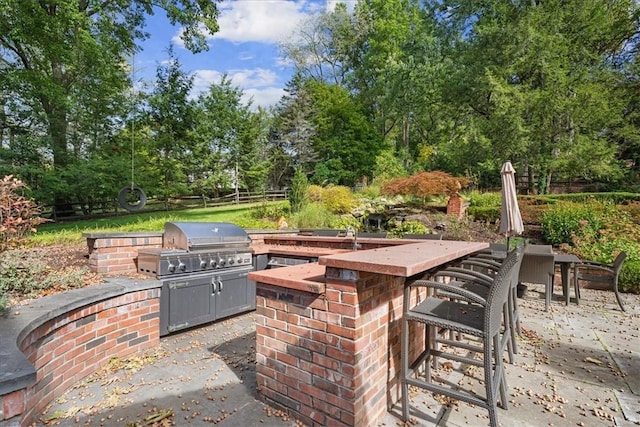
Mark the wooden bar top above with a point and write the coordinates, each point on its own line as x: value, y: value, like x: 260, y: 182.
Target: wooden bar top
x: 403, y: 260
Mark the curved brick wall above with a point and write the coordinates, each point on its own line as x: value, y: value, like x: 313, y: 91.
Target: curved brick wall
x: 69, y: 336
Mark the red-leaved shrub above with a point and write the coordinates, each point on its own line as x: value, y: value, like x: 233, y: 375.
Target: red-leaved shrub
x: 18, y: 214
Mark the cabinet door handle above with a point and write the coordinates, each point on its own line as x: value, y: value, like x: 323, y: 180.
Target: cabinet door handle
x: 214, y: 288
x: 220, y: 285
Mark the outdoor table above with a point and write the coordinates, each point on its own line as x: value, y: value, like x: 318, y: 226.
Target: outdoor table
x: 565, y: 261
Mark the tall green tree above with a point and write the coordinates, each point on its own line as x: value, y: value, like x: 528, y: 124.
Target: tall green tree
x: 539, y: 79
x: 382, y: 61
x: 627, y: 135
x: 345, y: 141
x: 171, y: 117
x: 61, y: 57
x: 388, y: 55
x: 253, y: 150
x: 320, y: 45
x: 291, y: 135
x: 231, y: 141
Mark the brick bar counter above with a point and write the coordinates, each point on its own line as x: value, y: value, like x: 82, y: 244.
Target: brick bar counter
x: 328, y: 333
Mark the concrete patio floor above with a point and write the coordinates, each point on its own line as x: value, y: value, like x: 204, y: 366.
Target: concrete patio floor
x: 577, y: 365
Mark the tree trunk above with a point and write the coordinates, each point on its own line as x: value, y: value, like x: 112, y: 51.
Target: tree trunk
x: 548, y: 183
x: 531, y: 187
x: 57, y: 118
x: 58, y: 133
x: 56, y: 110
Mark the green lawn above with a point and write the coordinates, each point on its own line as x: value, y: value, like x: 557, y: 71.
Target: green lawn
x: 71, y: 232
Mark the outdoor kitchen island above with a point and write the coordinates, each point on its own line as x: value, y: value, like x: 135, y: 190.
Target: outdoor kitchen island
x: 328, y: 333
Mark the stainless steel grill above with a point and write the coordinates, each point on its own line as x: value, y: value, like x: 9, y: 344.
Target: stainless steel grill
x: 203, y: 267
x: 196, y: 247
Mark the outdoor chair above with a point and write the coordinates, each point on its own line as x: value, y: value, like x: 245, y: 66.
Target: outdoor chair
x: 497, y: 250
x: 538, y: 266
x: 480, y: 320
x: 476, y: 275
x: 593, y: 271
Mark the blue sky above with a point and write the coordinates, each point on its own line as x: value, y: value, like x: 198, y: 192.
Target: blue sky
x: 246, y: 47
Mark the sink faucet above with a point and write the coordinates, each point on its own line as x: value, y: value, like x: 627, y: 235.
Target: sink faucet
x: 351, y: 230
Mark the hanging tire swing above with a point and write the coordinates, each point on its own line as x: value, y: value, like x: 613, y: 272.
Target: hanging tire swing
x: 132, y: 198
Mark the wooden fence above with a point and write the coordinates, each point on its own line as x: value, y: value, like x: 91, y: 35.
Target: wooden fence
x: 94, y: 209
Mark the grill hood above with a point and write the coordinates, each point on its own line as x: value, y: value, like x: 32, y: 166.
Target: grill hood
x: 194, y: 236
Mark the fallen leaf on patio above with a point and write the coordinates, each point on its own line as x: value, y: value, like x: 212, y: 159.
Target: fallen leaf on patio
x: 447, y: 366
x: 54, y: 416
x: 593, y: 360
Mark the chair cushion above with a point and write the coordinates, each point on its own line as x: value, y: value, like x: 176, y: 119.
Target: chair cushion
x: 461, y: 317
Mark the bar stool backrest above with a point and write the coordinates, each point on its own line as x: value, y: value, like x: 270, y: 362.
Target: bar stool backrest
x: 499, y: 291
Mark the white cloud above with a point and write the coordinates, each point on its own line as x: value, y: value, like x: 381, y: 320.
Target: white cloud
x: 256, y: 83
x: 202, y: 79
x: 263, y: 21
x: 245, y: 78
x: 266, y: 21
x: 258, y: 77
x: 264, y: 97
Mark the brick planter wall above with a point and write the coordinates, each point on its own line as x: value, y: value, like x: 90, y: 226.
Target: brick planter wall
x: 332, y: 358
x: 69, y: 346
x: 118, y: 252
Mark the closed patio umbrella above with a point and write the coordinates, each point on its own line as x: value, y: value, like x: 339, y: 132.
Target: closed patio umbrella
x: 510, y: 218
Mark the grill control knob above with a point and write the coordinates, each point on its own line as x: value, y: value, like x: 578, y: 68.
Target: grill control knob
x: 239, y: 260
x: 231, y: 261
x: 213, y: 263
x: 222, y: 262
x: 182, y: 266
x: 203, y: 263
x: 171, y: 268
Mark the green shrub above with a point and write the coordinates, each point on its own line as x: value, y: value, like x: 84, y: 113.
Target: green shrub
x: 313, y: 215
x: 612, y: 197
x: 484, y: 213
x: 478, y: 199
x: 400, y: 228
x: 608, y: 231
x: 371, y: 191
x: 341, y: 222
x: 338, y: 199
x: 270, y: 211
x: 298, y: 195
x: 532, y: 209
x: 314, y: 193
x: 564, y: 220
x: 249, y: 222
x: 629, y: 280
